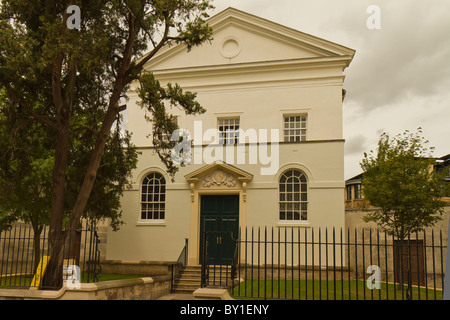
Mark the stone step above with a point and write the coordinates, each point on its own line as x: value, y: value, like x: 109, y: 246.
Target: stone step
x: 189, y: 278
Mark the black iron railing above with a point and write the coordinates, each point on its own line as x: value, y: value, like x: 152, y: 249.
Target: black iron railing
x: 24, y: 255
x: 204, y: 259
x: 322, y: 264
x: 180, y: 264
x: 219, y: 267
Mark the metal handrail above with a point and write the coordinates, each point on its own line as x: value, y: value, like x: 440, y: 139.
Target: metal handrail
x: 235, y: 261
x: 205, y: 265
x: 181, y: 262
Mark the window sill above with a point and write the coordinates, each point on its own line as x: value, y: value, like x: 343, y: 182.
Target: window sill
x: 160, y: 223
x: 299, y: 224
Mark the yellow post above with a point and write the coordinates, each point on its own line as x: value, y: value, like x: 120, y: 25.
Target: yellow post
x: 39, y: 273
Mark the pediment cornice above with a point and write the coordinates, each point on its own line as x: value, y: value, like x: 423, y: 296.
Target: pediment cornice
x: 322, y: 50
x: 209, y: 170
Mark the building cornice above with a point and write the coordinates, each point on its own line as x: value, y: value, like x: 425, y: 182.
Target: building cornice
x: 258, y: 66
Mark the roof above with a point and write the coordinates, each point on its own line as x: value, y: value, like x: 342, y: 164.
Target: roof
x: 290, y: 44
x: 356, y: 179
x: 445, y: 158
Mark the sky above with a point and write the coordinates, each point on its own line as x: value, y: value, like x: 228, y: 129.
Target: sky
x: 400, y: 77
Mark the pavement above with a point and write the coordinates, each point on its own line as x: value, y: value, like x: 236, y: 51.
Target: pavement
x: 178, y: 296
x: 199, y: 294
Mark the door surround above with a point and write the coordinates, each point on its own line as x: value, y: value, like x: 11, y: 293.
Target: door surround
x: 215, y: 179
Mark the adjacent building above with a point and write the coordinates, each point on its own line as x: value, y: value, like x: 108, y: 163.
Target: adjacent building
x: 353, y: 186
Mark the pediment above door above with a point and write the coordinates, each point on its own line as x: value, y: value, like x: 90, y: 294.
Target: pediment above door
x: 219, y: 175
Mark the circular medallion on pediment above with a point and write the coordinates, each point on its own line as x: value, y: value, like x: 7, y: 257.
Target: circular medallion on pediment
x: 230, y: 48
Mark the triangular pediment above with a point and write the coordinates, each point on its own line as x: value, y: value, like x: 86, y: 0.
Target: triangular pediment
x: 219, y: 172
x: 241, y: 38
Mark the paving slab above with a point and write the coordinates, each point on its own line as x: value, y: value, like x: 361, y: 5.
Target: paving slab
x: 177, y: 296
x: 200, y: 294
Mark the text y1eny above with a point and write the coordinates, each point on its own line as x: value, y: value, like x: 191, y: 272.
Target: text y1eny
x: 246, y: 309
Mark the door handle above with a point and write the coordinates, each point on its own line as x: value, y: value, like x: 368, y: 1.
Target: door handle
x: 219, y: 240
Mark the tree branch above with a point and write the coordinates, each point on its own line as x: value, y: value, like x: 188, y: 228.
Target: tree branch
x: 155, y: 50
x: 41, y: 118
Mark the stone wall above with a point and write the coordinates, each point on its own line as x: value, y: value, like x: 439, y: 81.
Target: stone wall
x: 354, y: 220
x: 129, y: 289
x: 433, y: 239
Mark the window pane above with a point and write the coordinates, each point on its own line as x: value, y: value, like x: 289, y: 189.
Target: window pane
x: 153, y: 197
x: 297, y: 126
x: 228, y: 130
x: 293, y: 196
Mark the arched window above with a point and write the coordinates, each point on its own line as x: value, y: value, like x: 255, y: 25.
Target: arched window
x: 153, y: 197
x: 293, y: 199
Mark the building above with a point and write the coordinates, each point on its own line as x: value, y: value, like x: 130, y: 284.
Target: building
x: 353, y: 186
x: 275, y: 94
x: 353, y: 192
x: 443, y: 165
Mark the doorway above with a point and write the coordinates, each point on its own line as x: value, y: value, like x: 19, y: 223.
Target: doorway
x: 219, y: 226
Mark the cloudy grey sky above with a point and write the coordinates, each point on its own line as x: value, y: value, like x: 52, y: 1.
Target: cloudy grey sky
x: 400, y: 77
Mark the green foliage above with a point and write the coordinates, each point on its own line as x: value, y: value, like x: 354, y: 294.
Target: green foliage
x: 399, y: 180
x: 26, y: 162
x: 154, y: 100
x: 26, y: 168
x: 58, y: 84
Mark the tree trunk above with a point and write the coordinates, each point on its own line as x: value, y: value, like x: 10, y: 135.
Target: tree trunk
x: 55, y: 266
x: 94, y: 164
x: 53, y: 278
x: 53, y: 274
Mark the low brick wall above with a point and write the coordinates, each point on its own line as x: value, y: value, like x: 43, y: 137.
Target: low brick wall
x: 149, y: 288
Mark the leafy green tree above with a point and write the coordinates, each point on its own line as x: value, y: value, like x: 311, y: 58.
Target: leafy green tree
x: 26, y: 165
x: 25, y: 178
x: 73, y: 80
x: 400, y: 181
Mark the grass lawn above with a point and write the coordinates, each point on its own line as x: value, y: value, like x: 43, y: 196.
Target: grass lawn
x: 323, y: 290
x: 24, y: 281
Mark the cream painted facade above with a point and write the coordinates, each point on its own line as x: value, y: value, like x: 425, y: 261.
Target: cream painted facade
x: 258, y: 72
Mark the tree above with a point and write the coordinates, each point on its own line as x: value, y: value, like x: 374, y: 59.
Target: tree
x: 78, y: 78
x: 25, y: 178
x: 26, y: 163
x: 400, y: 181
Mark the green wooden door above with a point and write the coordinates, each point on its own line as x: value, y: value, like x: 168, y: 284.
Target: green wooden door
x: 220, y: 224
